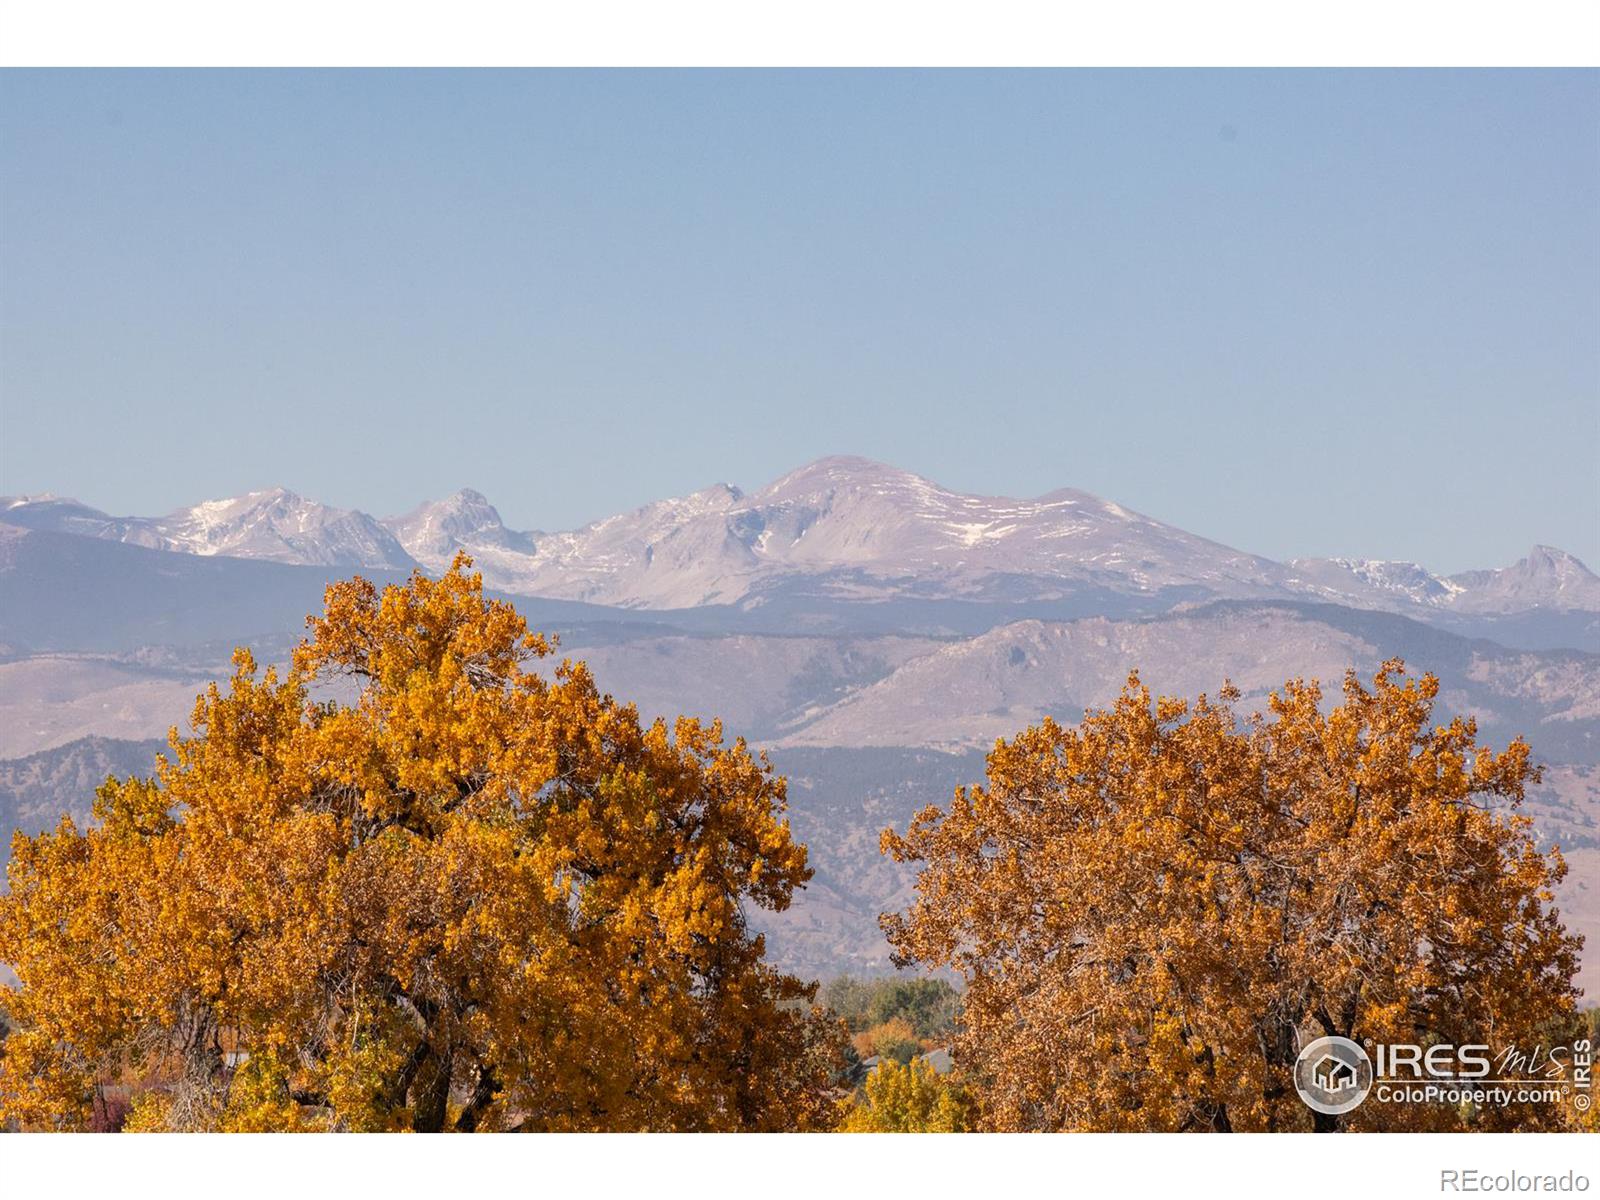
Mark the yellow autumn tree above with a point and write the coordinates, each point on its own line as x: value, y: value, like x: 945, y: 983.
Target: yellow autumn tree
x: 464, y: 896
x: 1155, y: 910
x: 909, y: 1098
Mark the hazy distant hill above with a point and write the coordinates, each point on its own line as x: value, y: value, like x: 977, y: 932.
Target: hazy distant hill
x: 37, y: 790
x: 974, y: 690
x: 66, y: 592
x: 60, y: 591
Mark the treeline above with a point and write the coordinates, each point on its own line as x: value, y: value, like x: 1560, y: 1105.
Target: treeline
x: 893, y: 1018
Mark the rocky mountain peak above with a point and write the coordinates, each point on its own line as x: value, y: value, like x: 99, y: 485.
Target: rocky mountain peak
x: 464, y: 520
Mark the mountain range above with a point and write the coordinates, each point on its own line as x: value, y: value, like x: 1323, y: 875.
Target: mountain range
x: 841, y: 528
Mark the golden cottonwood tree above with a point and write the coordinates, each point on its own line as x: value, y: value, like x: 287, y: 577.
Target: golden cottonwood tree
x: 470, y: 898
x: 1154, y: 911
x: 909, y: 1098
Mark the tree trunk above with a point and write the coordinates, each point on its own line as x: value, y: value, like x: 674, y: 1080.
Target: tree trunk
x: 431, y: 1094
x: 482, y: 1097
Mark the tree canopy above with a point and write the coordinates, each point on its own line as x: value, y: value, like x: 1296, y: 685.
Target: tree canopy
x: 470, y: 897
x: 907, y: 1097
x: 1154, y: 910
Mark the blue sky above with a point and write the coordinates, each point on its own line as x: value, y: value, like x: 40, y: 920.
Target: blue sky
x: 1298, y: 312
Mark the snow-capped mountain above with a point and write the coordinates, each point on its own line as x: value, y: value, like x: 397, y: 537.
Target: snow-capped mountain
x: 432, y: 533
x: 861, y: 530
x: 836, y: 531
x: 61, y: 514
x: 675, y: 553
x: 1546, y: 578
x: 883, y: 530
x: 1371, y: 582
x: 274, y: 525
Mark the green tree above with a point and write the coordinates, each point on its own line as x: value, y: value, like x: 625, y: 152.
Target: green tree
x: 849, y: 999
x: 930, y: 1006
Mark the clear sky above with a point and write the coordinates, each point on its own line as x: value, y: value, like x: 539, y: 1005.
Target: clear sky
x: 1298, y: 312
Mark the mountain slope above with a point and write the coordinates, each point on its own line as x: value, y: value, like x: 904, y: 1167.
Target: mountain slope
x: 49, y: 700
x: 36, y: 791
x: 63, y: 592
x: 60, y: 592
x: 968, y: 693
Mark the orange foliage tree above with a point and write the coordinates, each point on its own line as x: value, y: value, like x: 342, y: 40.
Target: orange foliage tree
x: 1155, y: 910
x: 470, y: 898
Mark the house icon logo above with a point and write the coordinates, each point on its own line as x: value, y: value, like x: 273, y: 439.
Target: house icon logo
x: 1333, y: 1075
